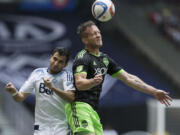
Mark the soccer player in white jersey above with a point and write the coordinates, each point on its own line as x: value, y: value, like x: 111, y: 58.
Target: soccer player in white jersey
x: 53, y: 88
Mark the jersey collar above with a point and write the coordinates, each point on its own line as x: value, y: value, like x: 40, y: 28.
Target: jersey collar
x: 96, y: 55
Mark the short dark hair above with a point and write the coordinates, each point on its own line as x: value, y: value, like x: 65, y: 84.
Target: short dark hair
x: 82, y: 28
x: 62, y: 51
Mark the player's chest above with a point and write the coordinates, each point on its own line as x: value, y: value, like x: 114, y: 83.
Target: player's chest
x: 98, y: 66
x: 42, y: 89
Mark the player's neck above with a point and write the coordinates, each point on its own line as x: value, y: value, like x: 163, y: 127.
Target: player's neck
x: 94, y: 51
x: 52, y: 72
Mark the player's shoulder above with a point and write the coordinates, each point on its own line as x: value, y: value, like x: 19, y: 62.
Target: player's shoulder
x: 83, y: 57
x: 39, y: 70
x: 65, y: 72
x: 103, y: 54
x: 81, y: 54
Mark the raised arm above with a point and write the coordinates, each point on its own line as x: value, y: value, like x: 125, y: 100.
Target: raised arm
x: 82, y: 83
x: 136, y: 83
x: 18, y: 96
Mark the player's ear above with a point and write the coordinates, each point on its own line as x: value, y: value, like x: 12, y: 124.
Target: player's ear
x: 84, y: 40
x: 65, y: 64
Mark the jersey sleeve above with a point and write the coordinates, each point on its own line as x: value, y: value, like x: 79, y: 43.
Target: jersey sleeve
x: 28, y: 86
x: 80, y: 66
x: 68, y: 81
x: 113, y: 69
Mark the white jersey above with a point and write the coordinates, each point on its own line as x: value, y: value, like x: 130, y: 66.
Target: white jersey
x: 49, y: 108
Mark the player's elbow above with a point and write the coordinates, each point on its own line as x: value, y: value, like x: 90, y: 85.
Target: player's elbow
x: 18, y: 99
x: 71, y: 99
x: 79, y: 85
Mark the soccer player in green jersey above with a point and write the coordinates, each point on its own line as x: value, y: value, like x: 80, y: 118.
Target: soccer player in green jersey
x: 89, y: 69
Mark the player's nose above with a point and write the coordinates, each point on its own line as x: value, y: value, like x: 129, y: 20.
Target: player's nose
x: 56, y: 63
x: 98, y: 36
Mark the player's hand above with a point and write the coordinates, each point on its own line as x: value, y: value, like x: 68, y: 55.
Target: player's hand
x: 97, y: 79
x: 163, y: 97
x: 10, y: 88
x: 48, y: 82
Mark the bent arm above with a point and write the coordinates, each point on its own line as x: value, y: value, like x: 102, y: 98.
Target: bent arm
x: 65, y: 95
x: 17, y: 95
x: 82, y: 83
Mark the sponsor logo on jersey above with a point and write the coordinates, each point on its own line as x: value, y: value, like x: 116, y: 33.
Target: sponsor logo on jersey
x: 44, y: 89
x: 101, y: 71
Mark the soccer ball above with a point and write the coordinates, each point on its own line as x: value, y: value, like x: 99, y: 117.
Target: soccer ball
x: 103, y: 10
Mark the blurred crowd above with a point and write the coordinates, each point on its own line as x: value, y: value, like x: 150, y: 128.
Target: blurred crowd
x: 168, y: 23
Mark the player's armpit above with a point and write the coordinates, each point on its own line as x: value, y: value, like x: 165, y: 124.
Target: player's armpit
x: 124, y: 76
x: 80, y: 75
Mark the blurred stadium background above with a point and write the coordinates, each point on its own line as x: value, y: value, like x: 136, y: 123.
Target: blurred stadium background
x: 143, y: 37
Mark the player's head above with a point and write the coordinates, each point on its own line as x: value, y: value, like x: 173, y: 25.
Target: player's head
x: 90, y: 34
x: 58, y: 60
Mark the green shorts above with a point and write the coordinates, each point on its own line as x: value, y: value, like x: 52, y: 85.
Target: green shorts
x: 83, y: 119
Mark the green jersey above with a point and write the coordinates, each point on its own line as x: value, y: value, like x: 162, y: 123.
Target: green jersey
x: 90, y: 64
